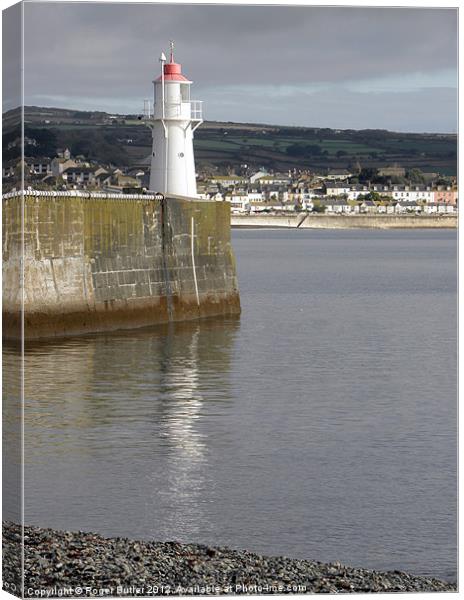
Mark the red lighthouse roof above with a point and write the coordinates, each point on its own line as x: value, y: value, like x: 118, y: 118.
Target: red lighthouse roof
x: 173, y: 70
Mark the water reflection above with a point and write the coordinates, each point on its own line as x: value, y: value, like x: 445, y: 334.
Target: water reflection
x: 180, y: 383
x: 185, y: 474
x: 112, y: 423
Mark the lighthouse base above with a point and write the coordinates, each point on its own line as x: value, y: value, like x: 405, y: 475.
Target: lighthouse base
x: 99, y: 263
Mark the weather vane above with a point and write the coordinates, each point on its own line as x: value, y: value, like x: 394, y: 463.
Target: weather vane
x: 171, y: 45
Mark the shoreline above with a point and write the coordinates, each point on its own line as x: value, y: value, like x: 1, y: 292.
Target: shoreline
x: 364, y: 221
x: 88, y: 564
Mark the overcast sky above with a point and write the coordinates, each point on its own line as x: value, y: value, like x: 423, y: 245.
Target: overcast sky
x: 392, y: 68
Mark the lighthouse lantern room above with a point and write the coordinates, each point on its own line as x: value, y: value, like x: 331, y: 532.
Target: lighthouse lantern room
x: 175, y: 118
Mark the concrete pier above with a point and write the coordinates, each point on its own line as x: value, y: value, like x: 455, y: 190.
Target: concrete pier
x: 99, y: 262
x: 366, y: 221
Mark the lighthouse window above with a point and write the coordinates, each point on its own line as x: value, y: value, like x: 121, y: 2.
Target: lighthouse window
x: 185, y: 92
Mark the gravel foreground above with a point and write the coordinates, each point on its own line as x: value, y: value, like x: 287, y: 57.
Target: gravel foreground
x: 66, y: 564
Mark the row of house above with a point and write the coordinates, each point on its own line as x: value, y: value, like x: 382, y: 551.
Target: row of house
x: 113, y: 181
x: 334, y: 206
x: 76, y: 173
x: 241, y: 204
x: 301, y: 188
x: 293, y: 190
x: 400, y: 193
x: 305, y: 198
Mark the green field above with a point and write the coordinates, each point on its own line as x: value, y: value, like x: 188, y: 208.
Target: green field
x: 228, y: 145
x: 270, y: 150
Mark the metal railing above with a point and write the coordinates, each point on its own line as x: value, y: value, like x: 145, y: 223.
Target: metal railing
x: 196, y: 107
x: 147, y: 109
x: 176, y: 110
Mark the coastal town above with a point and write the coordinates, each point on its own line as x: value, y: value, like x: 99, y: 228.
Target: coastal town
x: 388, y: 190
x: 335, y: 192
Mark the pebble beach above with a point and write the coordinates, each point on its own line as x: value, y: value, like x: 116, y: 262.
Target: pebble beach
x: 77, y: 564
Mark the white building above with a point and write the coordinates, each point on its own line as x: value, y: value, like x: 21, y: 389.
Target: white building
x: 307, y: 204
x: 338, y: 175
x: 239, y: 203
x: 257, y: 175
x: 408, y: 206
x: 175, y: 119
x: 351, y: 192
x: 412, y: 194
x: 333, y: 206
x: 255, y: 196
x: 337, y: 189
x: 216, y: 196
x: 273, y: 180
x: 227, y: 181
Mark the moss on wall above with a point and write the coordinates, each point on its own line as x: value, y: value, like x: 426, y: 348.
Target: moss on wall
x: 94, y: 264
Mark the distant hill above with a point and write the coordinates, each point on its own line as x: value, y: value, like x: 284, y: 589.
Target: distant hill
x: 124, y: 140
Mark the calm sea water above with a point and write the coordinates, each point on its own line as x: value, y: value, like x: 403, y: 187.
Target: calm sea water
x: 321, y: 424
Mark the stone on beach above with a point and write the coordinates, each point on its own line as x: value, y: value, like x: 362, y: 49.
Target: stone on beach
x: 58, y: 559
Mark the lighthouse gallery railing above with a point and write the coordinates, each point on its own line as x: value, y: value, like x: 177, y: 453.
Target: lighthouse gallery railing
x: 176, y: 110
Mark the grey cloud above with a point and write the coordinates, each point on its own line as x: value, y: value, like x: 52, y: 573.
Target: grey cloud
x: 11, y: 48
x: 427, y: 110
x: 103, y: 50
x: 230, y: 44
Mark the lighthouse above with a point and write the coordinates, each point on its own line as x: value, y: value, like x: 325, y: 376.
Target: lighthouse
x: 173, y: 123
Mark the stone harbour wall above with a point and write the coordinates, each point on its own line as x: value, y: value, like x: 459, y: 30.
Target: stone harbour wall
x: 95, y: 262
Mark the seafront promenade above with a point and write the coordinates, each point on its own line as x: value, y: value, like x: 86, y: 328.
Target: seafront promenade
x: 318, y: 221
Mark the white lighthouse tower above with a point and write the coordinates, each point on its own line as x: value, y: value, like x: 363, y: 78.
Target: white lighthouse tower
x: 175, y: 118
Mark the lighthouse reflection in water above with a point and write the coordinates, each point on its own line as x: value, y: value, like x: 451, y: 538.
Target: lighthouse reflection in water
x: 92, y: 447
x: 184, y: 477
